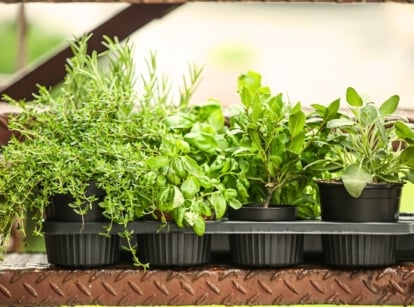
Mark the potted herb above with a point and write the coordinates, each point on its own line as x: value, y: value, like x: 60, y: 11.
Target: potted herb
x: 370, y: 157
x: 77, y: 142
x: 194, y: 181
x: 270, y: 136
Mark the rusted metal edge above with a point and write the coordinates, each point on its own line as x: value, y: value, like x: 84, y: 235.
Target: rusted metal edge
x: 52, y: 70
x: 207, y: 285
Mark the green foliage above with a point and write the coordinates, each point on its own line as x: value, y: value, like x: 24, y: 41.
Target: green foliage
x: 270, y: 135
x: 195, y: 172
x: 369, y: 145
x: 153, y: 153
x: 84, y: 133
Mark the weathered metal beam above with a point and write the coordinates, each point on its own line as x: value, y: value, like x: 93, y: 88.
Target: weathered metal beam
x: 183, y: 1
x: 52, y: 70
x: 36, y: 284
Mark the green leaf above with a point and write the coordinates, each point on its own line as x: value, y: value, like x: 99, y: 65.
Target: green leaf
x: 178, y: 166
x: 157, y: 162
x: 165, y: 199
x: 353, y: 98
x: 189, y: 187
x: 230, y: 194
x: 407, y: 156
x: 235, y: 203
x: 257, y: 109
x: 297, y: 144
x: 404, y: 131
x: 203, y: 141
x: 274, y: 164
x: 205, y: 181
x: 179, y: 121
x: 241, y: 151
x: 205, y: 110
x: 331, y: 111
x: 368, y: 115
x: 251, y: 81
x: 178, y: 215
x: 199, y: 226
x: 355, y: 178
x: 389, y: 106
x: 340, y: 122
x: 245, y: 97
x: 410, y: 176
x: 178, y: 200
x: 218, y: 202
x: 191, y: 166
x: 190, y: 217
x: 241, y: 190
x: 319, y: 109
x: 257, y: 141
x: 182, y: 145
x: 381, y: 131
x: 216, y: 120
x: 277, y: 147
x: 324, y: 166
x: 296, y: 123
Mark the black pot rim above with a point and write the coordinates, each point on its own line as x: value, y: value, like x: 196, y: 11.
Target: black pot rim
x: 377, y: 185
x: 256, y: 212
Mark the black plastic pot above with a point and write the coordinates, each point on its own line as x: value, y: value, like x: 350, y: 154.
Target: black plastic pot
x: 174, y: 249
x: 359, y: 250
x: 80, y: 249
x: 377, y: 203
x: 58, y: 209
x: 265, y: 249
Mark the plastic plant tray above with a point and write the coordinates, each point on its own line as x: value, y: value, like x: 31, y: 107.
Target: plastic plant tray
x: 403, y: 227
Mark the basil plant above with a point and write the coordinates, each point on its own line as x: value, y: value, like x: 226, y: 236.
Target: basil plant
x: 194, y: 177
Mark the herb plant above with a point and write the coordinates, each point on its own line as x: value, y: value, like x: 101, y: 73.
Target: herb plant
x: 72, y: 136
x: 370, y: 144
x: 98, y: 126
x: 147, y: 148
x: 271, y: 136
x: 194, y: 174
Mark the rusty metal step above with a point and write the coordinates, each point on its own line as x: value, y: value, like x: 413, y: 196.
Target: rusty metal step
x: 27, y: 279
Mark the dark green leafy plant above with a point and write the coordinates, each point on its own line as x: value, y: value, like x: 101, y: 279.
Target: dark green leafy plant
x: 370, y: 144
x: 193, y: 173
x: 271, y: 136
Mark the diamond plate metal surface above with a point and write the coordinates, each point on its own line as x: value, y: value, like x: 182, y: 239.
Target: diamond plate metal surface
x: 27, y: 284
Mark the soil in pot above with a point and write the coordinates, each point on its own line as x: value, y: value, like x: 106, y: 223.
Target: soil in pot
x: 265, y: 249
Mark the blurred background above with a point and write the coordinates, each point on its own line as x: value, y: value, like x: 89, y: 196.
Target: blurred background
x: 309, y: 51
